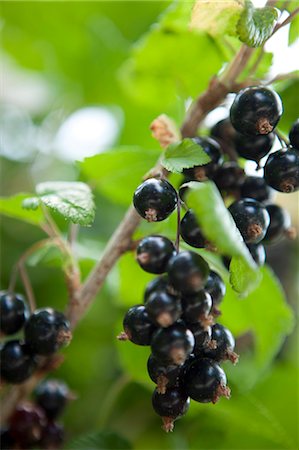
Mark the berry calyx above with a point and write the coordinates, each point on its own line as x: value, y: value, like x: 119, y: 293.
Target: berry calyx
x: 202, y: 336
x: 197, y: 308
x: 188, y: 272
x: 258, y: 253
x: 170, y: 406
x: 215, y: 286
x: 46, y: 331
x: 163, y: 308
x: 191, y: 232
x: 256, y: 110
x: 254, y: 148
x: 155, y: 200
x: 165, y: 376
x: 281, y: 170
x: 280, y: 222
x: 225, y: 345
x: 17, y: 365
x: 256, y: 188
x: 154, y: 252
x: 137, y: 326
x: 52, y: 396
x: 26, y: 424
x: 294, y: 135
x: 13, y: 312
x: 213, y: 150
x: 172, y: 345
x: 251, y: 218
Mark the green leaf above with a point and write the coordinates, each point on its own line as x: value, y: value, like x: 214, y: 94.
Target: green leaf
x: 100, y: 440
x: 288, y: 91
x: 183, y: 155
x: 219, y: 227
x: 256, y: 25
x: 13, y: 207
x: 73, y: 200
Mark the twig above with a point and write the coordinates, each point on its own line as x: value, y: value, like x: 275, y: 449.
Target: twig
x: 28, y: 287
x: 286, y: 21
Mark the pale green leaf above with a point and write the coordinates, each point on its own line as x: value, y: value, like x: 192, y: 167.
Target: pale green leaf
x: 13, y: 207
x: 183, y: 155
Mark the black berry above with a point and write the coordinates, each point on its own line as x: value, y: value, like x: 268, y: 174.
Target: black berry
x: 16, y: 363
x: 280, y: 222
x: 188, y: 272
x: 256, y: 110
x: 254, y: 148
x: 170, y: 406
x: 256, y: 188
x: 294, y: 135
x: 251, y: 218
x: 46, y: 331
x: 52, y: 436
x: 213, y: 150
x: 52, y: 396
x: 281, y: 170
x: 153, y: 253
x: 164, y: 376
x: 13, y: 312
x: 215, y: 286
x: 229, y: 177
x: 202, y: 336
x: 258, y: 253
x: 205, y: 381
x: 155, y: 199
x: 191, y: 232
x: 224, y: 132
x: 6, y: 440
x: 172, y: 345
x: 163, y: 308
x: 224, y: 345
x: 26, y: 424
x: 137, y: 326
x: 158, y: 284
x: 197, y: 308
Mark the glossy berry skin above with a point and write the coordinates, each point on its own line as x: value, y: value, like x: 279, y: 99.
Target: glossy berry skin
x: 158, y: 284
x: 17, y: 365
x: 191, y: 232
x: 26, y: 424
x: 163, y: 308
x: 281, y: 170
x: 280, y: 221
x: 6, y: 440
x: 258, y: 253
x: 224, y: 132
x: 46, y: 331
x: 13, y: 312
x: 52, y: 396
x: 251, y: 218
x: 197, y: 307
x: 256, y: 188
x: 153, y: 253
x: 256, y: 110
x: 172, y: 345
x: 202, y: 336
x: 253, y: 148
x: 165, y: 376
x: 215, y: 287
x: 213, y: 150
x: 137, y: 325
x: 155, y: 200
x: 173, y: 404
x: 294, y: 135
x: 225, y: 344
x: 205, y: 381
x: 229, y: 177
x: 52, y: 436
x: 188, y: 272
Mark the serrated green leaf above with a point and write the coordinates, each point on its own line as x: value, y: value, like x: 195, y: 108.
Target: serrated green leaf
x: 100, y: 440
x: 13, y: 207
x: 183, y: 155
x: 219, y: 227
x: 256, y: 25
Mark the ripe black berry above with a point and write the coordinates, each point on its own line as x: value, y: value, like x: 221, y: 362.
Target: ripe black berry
x: 154, y: 253
x: 52, y: 436
x: 224, y: 345
x: 52, y: 396
x: 254, y: 148
x: 229, y: 177
x: 164, y: 376
x: 155, y: 200
x: 163, y: 308
x: 13, y: 312
x: 191, y: 232
x: 256, y: 110
x: 188, y: 272
x: 16, y: 363
x: 216, y: 288
x: 258, y: 253
x: 205, y: 381
x: 256, y: 188
x: 281, y: 170
x: 137, y: 326
x: 280, y: 222
x: 224, y: 132
x: 172, y: 345
x: 6, y: 440
x: 213, y: 150
x: 197, y: 308
x: 251, y: 218
x: 202, y: 336
x: 158, y: 284
x: 26, y: 424
x: 46, y: 331
x: 170, y: 406
x: 294, y: 135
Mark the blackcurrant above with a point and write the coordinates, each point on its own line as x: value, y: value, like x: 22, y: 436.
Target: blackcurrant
x: 163, y: 308
x: 256, y: 110
x: 52, y: 436
x: 294, y: 135
x: 202, y: 336
x: 224, y: 132
x: 26, y: 424
x: 281, y: 170
x: 225, y: 345
x: 7, y: 442
x: 215, y: 286
x: 17, y: 365
x: 213, y: 150
x: 254, y: 148
x: 13, y: 312
x: 191, y: 232
x: 165, y: 376
x: 158, y: 284
x: 170, y: 406
x: 154, y: 252
x: 137, y: 326
x: 258, y: 253
x: 205, y: 381
x: 256, y: 188
x: 280, y: 222
x: 172, y: 345
x: 52, y: 396
x: 251, y: 218
x: 188, y: 272
x: 155, y: 199
x: 46, y: 331
x: 197, y: 308
x: 229, y: 176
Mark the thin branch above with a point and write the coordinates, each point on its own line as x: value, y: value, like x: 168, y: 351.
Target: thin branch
x: 288, y: 20
x: 28, y: 287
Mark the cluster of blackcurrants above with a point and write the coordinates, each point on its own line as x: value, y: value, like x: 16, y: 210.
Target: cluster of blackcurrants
x: 45, y: 332
x: 34, y: 424
x: 177, y: 317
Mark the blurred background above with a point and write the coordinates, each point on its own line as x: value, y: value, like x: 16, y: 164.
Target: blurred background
x: 77, y: 80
